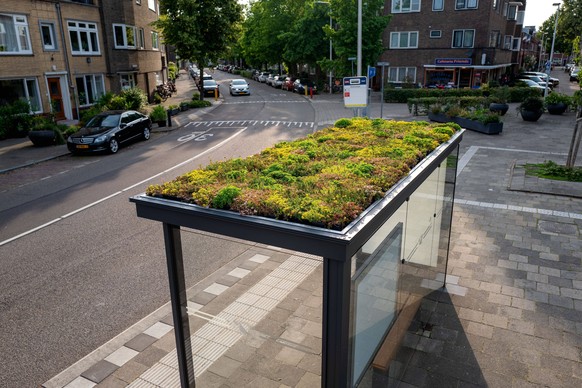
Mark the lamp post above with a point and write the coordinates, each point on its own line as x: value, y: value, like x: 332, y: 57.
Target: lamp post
x: 541, y: 50
x: 330, y: 45
x: 359, y: 41
x: 549, y: 65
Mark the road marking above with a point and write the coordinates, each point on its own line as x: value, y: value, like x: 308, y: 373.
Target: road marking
x: 248, y: 123
x: 61, y: 218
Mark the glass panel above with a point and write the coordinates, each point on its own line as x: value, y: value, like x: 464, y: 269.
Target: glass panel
x: 457, y: 38
x: 118, y: 35
x: 90, y: 91
x: 84, y: 41
x: 130, y: 35
x: 471, y: 3
x: 438, y: 5
x: 468, y: 38
x: 23, y: 35
x: 396, y: 6
x: 403, y: 40
x: 99, y: 87
x: 94, y: 42
x: 74, y: 41
x: 80, y: 82
x: 415, y: 5
x: 406, y: 5
x: 8, y: 39
x: 375, y: 293
x: 394, y: 39
x: 33, y: 95
x: 47, y: 36
x: 413, y: 39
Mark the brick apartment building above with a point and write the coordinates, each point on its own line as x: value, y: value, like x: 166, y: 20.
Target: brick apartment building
x: 67, y: 53
x: 458, y: 42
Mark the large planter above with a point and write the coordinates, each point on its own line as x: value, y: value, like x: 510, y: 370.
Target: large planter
x: 43, y: 138
x: 417, y: 250
x: 489, y: 128
x: 528, y: 115
x: 556, y: 109
x: 498, y: 107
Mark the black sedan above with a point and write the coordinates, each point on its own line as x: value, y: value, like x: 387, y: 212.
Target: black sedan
x: 211, y: 88
x: 109, y: 130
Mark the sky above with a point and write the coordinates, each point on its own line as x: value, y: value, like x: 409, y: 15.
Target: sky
x: 538, y: 11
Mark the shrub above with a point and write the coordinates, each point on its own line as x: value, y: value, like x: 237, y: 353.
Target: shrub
x: 135, y: 98
x: 172, y: 71
x: 88, y: 114
x: 156, y: 98
x: 557, y: 98
x: 15, y: 119
x: 118, y: 103
x: 343, y: 123
x: 158, y: 114
x: 533, y: 104
x: 196, y: 96
x: 199, y: 103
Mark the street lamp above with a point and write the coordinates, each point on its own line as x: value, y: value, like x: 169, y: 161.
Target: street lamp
x: 549, y: 65
x: 330, y: 45
x: 541, y: 50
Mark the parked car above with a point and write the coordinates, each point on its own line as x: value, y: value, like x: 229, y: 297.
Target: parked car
x: 211, y: 88
x: 531, y: 84
x: 536, y: 79
x: 278, y: 82
x: 574, y: 74
x: 239, y: 87
x: 300, y: 85
x: 543, y: 77
x: 107, y: 131
x: 288, y: 83
x: 271, y: 79
x: 263, y: 77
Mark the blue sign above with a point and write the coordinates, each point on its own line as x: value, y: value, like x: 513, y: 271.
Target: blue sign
x: 371, y: 71
x: 453, y: 61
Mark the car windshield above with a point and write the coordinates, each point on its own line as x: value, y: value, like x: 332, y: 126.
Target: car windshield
x: 209, y: 82
x: 239, y: 82
x: 108, y: 121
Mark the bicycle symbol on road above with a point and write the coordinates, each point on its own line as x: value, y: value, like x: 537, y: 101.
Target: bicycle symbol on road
x: 196, y: 136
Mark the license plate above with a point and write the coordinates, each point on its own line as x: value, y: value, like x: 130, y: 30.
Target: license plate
x: 82, y: 146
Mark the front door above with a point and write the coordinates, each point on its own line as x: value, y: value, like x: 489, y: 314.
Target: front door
x: 54, y: 86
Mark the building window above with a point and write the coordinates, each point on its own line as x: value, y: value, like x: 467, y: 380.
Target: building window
x: 21, y: 89
x: 438, y: 5
x: 495, y: 4
x: 402, y: 74
x: 520, y: 17
x: 465, y: 4
x: 407, y: 39
x: 515, y: 44
x: 512, y: 12
x: 495, y: 38
x: 507, y: 39
x: 127, y: 81
x: 152, y: 5
x: 401, y: 6
x: 14, y: 37
x: 83, y: 38
x: 436, y: 33
x: 124, y: 36
x: 155, y: 41
x: 138, y: 2
x: 140, y: 39
x: 83, y: 1
x: 47, y: 35
x: 89, y: 88
x: 463, y: 38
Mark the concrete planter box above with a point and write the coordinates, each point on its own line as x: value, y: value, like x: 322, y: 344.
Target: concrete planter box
x: 489, y: 128
x: 346, y: 357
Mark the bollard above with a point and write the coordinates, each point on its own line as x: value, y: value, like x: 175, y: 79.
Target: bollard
x: 169, y: 111
x: 311, y: 92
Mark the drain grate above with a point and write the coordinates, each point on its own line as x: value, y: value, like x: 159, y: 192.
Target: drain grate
x: 557, y: 228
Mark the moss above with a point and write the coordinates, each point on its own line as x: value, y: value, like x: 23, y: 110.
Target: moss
x: 325, y: 179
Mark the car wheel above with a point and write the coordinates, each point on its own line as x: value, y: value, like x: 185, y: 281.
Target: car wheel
x: 146, y: 133
x: 113, y: 146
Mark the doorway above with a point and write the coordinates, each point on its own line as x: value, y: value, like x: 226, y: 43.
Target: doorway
x: 56, y: 97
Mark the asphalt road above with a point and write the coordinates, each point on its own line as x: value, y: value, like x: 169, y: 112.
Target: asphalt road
x: 92, y: 268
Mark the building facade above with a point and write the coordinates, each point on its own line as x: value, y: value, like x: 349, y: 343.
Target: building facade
x: 62, y: 55
x: 458, y: 43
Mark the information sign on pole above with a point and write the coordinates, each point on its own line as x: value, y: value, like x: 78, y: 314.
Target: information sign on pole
x: 355, y: 92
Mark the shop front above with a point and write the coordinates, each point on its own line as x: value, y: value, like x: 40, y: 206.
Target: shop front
x: 449, y: 73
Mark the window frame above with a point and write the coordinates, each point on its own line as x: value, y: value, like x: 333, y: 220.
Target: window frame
x: 399, y: 34
x: 463, y: 45
x: 131, y: 81
x: 442, y: 4
x: 155, y: 40
x: 406, y: 70
x: 414, y: 6
x: 515, y: 43
x: 465, y: 5
x: 126, y: 28
x: 97, y: 88
x: 52, y: 32
x: 440, y: 34
x: 152, y: 5
x: 21, y: 30
x: 140, y: 39
x: 91, y: 32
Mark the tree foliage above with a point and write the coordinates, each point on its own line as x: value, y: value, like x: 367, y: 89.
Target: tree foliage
x: 568, y: 30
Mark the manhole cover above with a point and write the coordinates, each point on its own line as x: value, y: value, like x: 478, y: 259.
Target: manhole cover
x: 558, y: 228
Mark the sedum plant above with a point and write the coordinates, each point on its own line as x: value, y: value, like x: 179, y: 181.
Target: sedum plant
x: 326, y: 179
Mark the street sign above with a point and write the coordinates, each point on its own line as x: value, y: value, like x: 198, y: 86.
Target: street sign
x: 371, y: 71
x: 355, y: 92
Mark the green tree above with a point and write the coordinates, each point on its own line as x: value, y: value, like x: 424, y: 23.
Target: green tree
x: 200, y: 30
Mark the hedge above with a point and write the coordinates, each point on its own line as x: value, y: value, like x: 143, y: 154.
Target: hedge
x: 518, y: 94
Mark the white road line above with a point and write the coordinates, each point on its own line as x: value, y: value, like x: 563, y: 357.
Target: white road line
x: 120, y: 192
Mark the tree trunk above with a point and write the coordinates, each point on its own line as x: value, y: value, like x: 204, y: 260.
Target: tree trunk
x: 201, y: 83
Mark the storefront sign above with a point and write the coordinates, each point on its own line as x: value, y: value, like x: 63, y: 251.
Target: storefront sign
x: 453, y: 61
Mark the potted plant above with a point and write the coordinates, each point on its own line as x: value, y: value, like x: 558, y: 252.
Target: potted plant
x: 184, y: 105
x: 173, y: 110
x: 45, y: 132
x: 531, y: 109
x: 557, y: 103
x: 499, y: 98
x: 159, y: 116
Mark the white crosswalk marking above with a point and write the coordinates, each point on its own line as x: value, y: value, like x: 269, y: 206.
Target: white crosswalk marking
x: 247, y: 123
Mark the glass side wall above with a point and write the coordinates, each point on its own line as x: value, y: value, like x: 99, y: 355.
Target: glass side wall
x: 404, y: 261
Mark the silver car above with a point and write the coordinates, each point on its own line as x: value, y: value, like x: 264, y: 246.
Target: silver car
x: 239, y: 87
